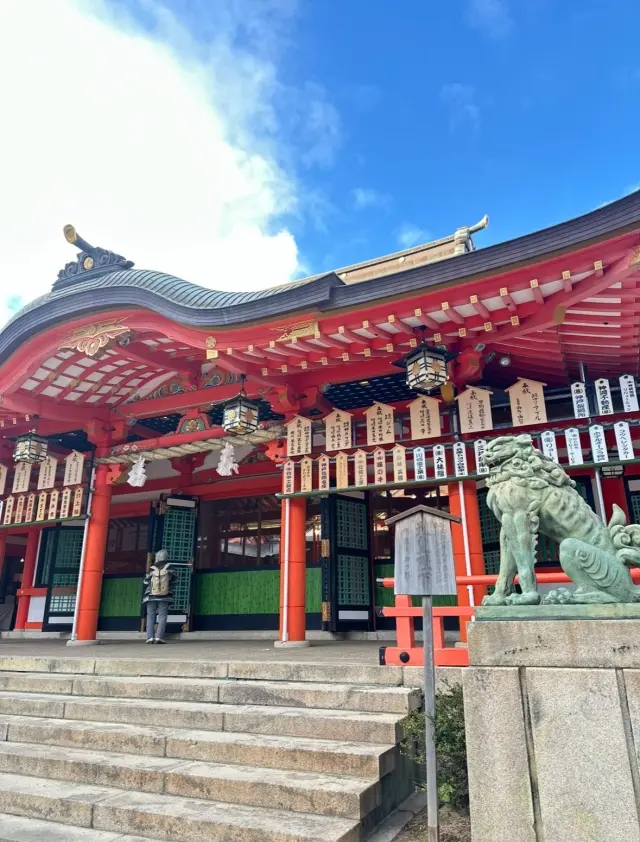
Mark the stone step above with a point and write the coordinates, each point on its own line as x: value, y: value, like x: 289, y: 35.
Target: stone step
x: 22, y: 829
x: 165, y: 817
x: 374, y: 699
x: 323, y: 673
x: 296, y: 753
x: 299, y: 792
x: 317, y: 723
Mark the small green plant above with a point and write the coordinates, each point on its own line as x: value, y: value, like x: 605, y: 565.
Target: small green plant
x: 451, y: 747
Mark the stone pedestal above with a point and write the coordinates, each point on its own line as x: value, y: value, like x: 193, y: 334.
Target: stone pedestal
x: 552, y: 712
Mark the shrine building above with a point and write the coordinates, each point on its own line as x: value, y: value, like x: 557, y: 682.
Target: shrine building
x: 265, y: 438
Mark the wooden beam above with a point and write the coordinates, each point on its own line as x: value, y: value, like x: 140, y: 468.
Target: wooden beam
x: 479, y: 307
x: 553, y: 310
x: 537, y: 292
x: 426, y: 320
x: 451, y: 313
x: 507, y: 300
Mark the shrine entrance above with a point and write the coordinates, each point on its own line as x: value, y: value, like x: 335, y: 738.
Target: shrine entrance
x: 347, y: 570
x: 173, y: 527
x: 58, y: 571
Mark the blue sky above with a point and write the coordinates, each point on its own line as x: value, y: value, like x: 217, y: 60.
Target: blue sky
x: 242, y: 143
x: 523, y: 109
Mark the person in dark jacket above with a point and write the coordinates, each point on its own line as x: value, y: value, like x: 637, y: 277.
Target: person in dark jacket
x: 158, y: 596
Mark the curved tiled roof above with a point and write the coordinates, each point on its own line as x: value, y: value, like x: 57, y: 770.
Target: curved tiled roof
x: 194, y: 305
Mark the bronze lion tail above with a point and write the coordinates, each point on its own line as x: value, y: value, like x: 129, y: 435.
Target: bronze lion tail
x: 625, y: 537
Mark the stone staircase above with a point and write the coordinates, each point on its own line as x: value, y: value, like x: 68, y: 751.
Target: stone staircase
x: 98, y: 750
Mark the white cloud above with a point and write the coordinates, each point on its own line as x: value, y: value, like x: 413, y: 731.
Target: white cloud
x: 460, y: 101
x: 157, y: 146
x: 410, y: 235
x: 492, y: 16
x: 366, y: 197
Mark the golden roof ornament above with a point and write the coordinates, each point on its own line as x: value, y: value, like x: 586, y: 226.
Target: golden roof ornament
x: 92, y: 262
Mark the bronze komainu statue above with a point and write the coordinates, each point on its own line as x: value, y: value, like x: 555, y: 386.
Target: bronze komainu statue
x: 531, y: 494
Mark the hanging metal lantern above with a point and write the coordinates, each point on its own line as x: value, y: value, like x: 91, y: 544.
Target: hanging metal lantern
x: 426, y: 369
x: 30, y: 448
x: 240, y: 415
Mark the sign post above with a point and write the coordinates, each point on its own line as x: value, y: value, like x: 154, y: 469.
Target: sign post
x: 424, y: 566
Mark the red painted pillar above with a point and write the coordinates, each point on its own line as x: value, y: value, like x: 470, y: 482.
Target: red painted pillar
x: 293, y: 571
x: 91, y: 585
x: 613, y: 491
x: 28, y: 571
x: 463, y: 502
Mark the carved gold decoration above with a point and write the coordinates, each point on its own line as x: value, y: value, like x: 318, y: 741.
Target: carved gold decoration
x: 635, y: 260
x: 91, y: 339
x: 297, y: 331
x: 87, y: 263
x: 210, y: 342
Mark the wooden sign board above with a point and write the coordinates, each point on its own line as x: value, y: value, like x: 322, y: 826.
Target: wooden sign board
x: 19, y: 509
x: 342, y: 470
x: 74, y: 466
x: 30, y: 507
x: 628, y: 393
x: 379, y: 466
x: 399, y: 455
x: 479, y: 447
x: 299, y: 436
x: 419, y: 464
x: 41, y: 510
x: 460, y: 459
x: 289, y: 477
x: 338, y: 430
x: 574, y: 448
x: 78, y: 496
x: 474, y: 410
x: 47, y: 474
x: 424, y: 414
x: 439, y: 461
x: 8, y: 510
x: 361, y: 469
x: 549, y: 447
x: 324, y: 473
x: 424, y: 564
x: 598, y: 444
x: 52, y: 513
x: 3, y: 478
x: 65, y: 503
x: 21, y: 478
x: 624, y: 440
x: 580, y: 400
x: 306, y: 474
x: 380, y: 424
x: 603, y: 396
x: 527, y: 402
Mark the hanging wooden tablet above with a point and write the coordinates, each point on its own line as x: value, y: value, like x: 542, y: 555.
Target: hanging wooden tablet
x: 360, y: 467
x: 379, y: 466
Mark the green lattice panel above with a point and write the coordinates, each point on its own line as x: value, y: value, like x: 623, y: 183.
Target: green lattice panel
x: 489, y: 524
x: 353, y: 580
x: 177, y: 538
x: 63, y: 603
x: 635, y: 507
x: 179, y: 533
x: 491, y: 562
x: 69, y: 548
x: 352, y: 528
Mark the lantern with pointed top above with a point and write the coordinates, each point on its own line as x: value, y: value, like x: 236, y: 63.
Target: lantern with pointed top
x: 426, y: 367
x: 240, y: 415
x: 30, y: 448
